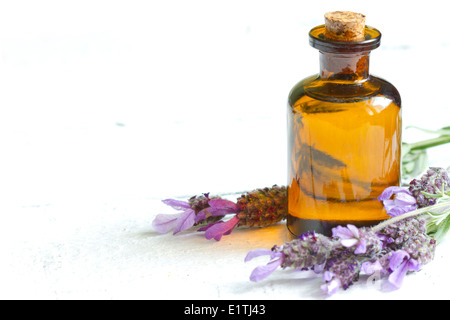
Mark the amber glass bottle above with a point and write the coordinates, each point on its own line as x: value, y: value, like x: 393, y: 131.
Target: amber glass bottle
x: 344, y: 138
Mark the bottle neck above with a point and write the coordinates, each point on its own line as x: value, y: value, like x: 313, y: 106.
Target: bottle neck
x: 344, y: 66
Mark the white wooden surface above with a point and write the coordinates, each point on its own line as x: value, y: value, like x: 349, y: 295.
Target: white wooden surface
x: 107, y: 107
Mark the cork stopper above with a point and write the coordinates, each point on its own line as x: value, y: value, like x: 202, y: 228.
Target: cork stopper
x: 345, y: 26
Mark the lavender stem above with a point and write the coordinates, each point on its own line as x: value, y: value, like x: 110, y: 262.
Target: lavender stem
x: 410, y: 214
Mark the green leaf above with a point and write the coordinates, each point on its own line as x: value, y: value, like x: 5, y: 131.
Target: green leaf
x: 443, y: 131
x: 442, y: 229
x: 425, y: 144
x: 431, y: 195
x: 406, y: 148
x: 413, y: 164
x: 414, y: 155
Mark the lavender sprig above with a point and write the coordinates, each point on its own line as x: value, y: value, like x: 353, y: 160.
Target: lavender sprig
x: 392, y: 251
x: 393, y: 248
x: 260, y: 208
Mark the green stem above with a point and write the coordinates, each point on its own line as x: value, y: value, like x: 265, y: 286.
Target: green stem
x: 429, y: 143
x: 410, y: 214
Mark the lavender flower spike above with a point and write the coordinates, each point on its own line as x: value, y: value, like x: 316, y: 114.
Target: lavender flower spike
x: 402, y: 202
x: 436, y: 181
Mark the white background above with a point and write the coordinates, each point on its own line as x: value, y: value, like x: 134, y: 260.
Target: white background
x: 107, y: 107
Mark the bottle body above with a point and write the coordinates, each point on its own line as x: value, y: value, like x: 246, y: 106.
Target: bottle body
x: 344, y: 149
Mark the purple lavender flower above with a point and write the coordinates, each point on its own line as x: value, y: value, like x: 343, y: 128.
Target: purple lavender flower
x: 434, y: 182
x: 341, y: 271
x: 309, y: 252
x: 262, y: 272
x: 364, y: 240
x: 402, y: 202
x: 350, y: 236
x: 257, y: 208
x: 371, y: 267
x: 399, y: 264
x: 332, y: 283
x: 218, y: 229
x: 163, y: 223
x: 217, y: 207
x: 192, y: 212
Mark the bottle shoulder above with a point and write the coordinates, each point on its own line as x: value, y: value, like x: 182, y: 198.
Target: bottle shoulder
x: 343, y: 91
